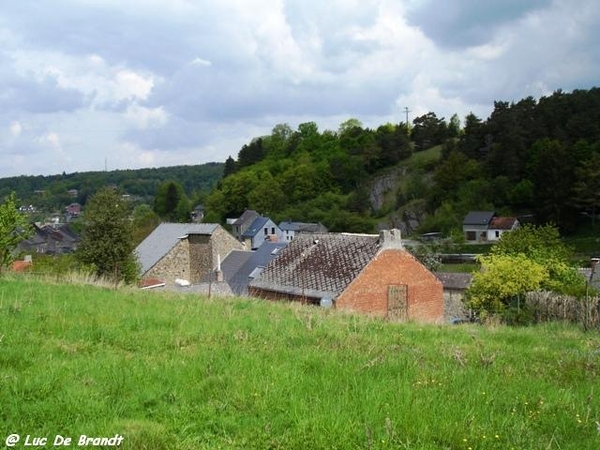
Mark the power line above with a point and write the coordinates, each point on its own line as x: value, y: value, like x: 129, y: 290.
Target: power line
x: 406, y: 110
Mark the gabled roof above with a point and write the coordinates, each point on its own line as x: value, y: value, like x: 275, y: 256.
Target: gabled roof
x: 502, y: 223
x: 318, y: 264
x: 257, y: 225
x: 164, y: 238
x: 259, y: 259
x: 302, y: 227
x: 248, y: 216
x: 479, y: 218
x: 455, y: 281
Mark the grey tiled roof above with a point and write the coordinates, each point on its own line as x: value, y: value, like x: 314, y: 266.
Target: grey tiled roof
x: 256, y: 226
x: 239, y: 264
x: 248, y: 216
x: 318, y: 264
x: 302, y: 226
x: 164, y: 238
x: 478, y: 218
x: 455, y: 281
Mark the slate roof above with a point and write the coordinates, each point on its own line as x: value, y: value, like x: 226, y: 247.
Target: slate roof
x: 455, y: 281
x: 164, y: 238
x: 55, y: 238
x: 248, y: 216
x: 257, y: 225
x: 318, y: 265
x: 288, y: 225
x: 479, y: 218
x: 239, y: 265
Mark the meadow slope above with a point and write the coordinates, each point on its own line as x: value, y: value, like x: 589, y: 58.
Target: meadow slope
x: 172, y: 371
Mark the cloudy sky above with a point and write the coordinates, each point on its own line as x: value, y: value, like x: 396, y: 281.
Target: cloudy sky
x: 86, y: 84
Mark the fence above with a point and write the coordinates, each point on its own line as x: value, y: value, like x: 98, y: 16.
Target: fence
x: 549, y: 306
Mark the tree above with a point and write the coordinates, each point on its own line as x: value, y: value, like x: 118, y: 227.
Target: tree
x: 107, y: 243
x: 428, y: 131
x: 502, y: 279
x: 14, y: 228
x: 171, y: 203
x: 543, y: 245
x: 229, y: 167
x: 527, y: 259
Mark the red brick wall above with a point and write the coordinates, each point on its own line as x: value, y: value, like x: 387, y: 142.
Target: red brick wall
x: 369, y: 291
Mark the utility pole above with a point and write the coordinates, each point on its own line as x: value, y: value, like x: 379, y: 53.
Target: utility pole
x: 406, y: 110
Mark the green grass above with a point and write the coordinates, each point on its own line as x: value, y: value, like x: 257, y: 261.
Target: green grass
x: 424, y: 159
x: 186, y: 372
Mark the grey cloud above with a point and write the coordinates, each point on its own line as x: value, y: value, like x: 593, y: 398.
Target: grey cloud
x: 467, y: 23
x: 26, y: 95
x: 155, y: 41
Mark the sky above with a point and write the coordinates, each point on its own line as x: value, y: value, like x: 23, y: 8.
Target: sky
x: 88, y: 85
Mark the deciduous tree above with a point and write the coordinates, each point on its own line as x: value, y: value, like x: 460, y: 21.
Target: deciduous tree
x: 14, y: 228
x: 107, y: 243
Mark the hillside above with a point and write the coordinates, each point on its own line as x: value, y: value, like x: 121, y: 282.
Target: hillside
x: 186, y: 372
x: 52, y: 192
x: 535, y: 157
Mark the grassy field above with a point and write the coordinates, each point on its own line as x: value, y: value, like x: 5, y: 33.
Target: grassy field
x: 183, y: 372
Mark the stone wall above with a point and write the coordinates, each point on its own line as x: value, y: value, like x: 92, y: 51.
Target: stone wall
x: 174, y: 265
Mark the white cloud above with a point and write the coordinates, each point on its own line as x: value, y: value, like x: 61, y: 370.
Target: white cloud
x: 148, y: 82
x: 15, y: 129
x: 201, y: 62
x: 143, y: 117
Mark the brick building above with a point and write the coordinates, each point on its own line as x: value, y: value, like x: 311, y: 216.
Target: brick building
x: 364, y: 273
x: 184, y: 251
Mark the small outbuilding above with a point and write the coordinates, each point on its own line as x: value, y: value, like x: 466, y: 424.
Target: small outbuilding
x: 372, y: 274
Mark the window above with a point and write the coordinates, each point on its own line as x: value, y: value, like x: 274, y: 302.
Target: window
x: 497, y: 234
x: 266, y: 231
x: 273, y: 230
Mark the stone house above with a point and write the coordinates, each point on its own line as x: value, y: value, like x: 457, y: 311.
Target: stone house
x: 176, y: 252
x: 290, y: 229
x: 242, y: 223
x: 363, y: 273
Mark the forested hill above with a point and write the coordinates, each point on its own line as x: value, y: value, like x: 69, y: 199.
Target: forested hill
x: 535, y: 157
x: 52, y: 192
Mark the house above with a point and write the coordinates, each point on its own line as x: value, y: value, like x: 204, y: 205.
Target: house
x: 262, y: 229
x: 455, y: 287
x: 290, y: 229
x: 241, y: 224
x: 364, y: 273
x: 184, y: 251
x: 51, y: 239
x: 73, y: 210
x: 197, y: 214
x: 485, y: 226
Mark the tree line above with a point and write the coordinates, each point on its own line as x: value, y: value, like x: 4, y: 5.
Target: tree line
x: 535, y: 157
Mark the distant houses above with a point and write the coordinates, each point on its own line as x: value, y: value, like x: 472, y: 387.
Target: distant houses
x: 486, y: 226
x: 51, y: 239
x: 290, y: 229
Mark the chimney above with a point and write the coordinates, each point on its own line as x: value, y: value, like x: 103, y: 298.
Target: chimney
x: 391, y: 239
x: 219, y: 272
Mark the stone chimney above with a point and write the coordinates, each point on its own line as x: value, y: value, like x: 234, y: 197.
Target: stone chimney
x: 390, y: 239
